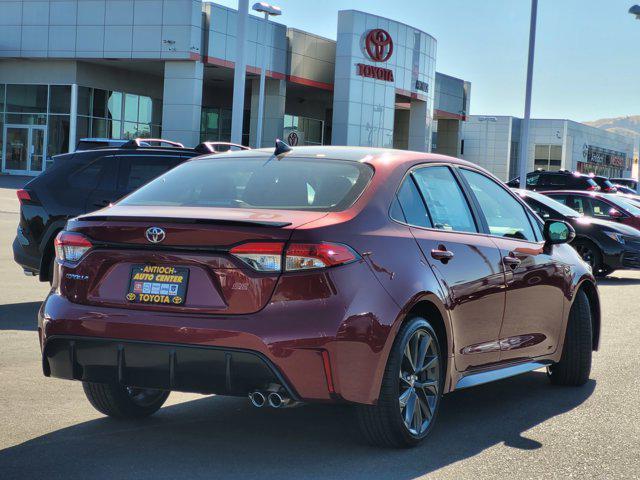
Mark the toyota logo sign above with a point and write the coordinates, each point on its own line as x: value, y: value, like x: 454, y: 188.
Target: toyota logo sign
x: 155, y: 234
x: 379, y: 45
x: 293, y: 139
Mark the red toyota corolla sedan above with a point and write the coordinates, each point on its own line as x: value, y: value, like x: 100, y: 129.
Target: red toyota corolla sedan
x: 374, y: 277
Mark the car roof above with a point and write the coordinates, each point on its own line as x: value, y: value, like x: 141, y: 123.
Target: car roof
x: 578, y: 192
x: 378, y: 157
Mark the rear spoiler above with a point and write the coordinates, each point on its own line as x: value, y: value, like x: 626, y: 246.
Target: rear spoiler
x: 200, y: 221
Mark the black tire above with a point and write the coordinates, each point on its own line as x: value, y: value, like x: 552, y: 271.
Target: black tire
x: 383, y: 424
x: 124, y: 402
x: 574, y: 366
x: 52, y: 266
x: 590, y: 253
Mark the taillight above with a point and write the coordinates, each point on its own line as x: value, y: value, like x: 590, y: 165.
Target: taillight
x: 23, y: 196
x: 70, y: 247
x: 306, y: 256
x: 592, y: 188
x: 267, y: 256
x: 261, y: 256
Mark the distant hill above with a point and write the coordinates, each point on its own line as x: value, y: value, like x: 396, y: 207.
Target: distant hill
x: 623, y: 125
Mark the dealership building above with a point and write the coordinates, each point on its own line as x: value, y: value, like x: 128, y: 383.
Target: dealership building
x: 71, y: 69
x: 494, y: 143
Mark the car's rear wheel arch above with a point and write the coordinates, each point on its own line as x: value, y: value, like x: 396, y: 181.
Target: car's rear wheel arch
x: 429, y: 308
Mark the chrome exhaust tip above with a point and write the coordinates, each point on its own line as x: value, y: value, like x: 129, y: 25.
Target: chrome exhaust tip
x: 278, y: 401
x: 257, y: 399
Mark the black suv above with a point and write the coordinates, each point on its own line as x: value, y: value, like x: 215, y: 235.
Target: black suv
x: 542, y: 180
x: 88, y: 180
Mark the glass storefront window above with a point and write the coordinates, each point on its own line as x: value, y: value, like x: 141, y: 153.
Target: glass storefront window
x: 100, y: 127
x: 215, y: 125
x: 99, y: 103
x: 130, y: 130
x: 27, y: 118
x: 84, y: 101
x: 60, y: 99
x: 131, y: 108
x: 116, y: 127
x: 82, y: 127
x: 26, y: 98
x: 547, y: 157
x: 311, y: 128
x: 100, y: 114
x: 114, y: 105
x: 144, y: 110
x: 58, y: 135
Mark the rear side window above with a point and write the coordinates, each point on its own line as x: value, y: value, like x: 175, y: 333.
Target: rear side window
x: 553, y: 180
x: 412, y: 209
x: 96, y: 174
x: 446, y: 203
x: 292, y: 183
x: 574, y: 202
x: 541, y: 210
x: 583, y: 183
x: 135, y: 171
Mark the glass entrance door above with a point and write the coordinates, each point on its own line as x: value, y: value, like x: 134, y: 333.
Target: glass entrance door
x: 24, y: 149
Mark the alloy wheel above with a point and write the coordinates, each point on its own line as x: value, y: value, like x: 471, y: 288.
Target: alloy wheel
x: 419, y: 382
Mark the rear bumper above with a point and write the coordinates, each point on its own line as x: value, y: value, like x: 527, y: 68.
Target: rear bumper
x: 160, y: 365
x: 325, y: 344
x: 22, y: 254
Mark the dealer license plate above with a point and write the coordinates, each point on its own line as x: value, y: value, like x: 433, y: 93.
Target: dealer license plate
x: 158, y: 285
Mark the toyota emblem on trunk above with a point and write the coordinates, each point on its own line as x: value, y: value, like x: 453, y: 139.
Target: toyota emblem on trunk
x: 155, y: 234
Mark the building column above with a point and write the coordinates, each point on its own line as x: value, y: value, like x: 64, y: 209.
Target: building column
x: 182, y: 102
x: 419, y: 126
x: 275, y: 92
x: 73, y: 118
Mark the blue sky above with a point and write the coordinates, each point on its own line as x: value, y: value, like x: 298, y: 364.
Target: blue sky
x: 587, y: 63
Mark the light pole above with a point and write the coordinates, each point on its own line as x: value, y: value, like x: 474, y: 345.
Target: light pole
x: 635, y: 10
x: 268, y: 10
x: 524, y: 136
x: 239, y: 74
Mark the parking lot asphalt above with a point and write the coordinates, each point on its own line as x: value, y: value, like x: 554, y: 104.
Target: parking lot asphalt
x: 517, y: 428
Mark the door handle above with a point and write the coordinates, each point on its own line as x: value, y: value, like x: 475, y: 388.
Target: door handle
x: 101, y: 203
x: 511, y: 261
x: 442, y: 254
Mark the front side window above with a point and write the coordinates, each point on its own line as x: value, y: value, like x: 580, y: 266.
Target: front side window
x: 574, y: 202
x: 293, y: 183
x: 505, y: 216
x: 445, y: 201
x: 599, y: 209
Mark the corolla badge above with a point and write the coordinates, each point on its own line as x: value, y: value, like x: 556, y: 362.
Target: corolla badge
x: 155, y: 234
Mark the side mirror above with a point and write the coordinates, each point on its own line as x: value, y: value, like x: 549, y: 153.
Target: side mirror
x: 615, y: 214
x: 557, y: 231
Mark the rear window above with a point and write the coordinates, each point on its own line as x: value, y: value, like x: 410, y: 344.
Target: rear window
x: 588, y: 181
x: 288, y: 184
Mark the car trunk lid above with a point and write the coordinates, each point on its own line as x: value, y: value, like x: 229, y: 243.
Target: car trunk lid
x: 195, y: 242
